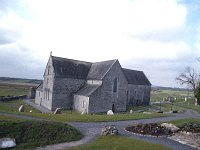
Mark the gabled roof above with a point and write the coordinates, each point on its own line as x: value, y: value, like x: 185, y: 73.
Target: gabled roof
x: 70, y: 68
x: 99, y: 69
x: 88, y: 89
x: 136, y: 77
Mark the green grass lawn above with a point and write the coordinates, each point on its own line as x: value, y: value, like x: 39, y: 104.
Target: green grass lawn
x: 157, y: 95
x: 13, y: 90
x: 13, y: 106
x: 188, y: 105
x: 180, y: 122
x: 166, y: 107
x: 8, y: 118
x: 74, y: 117
x: 119, y: 143
x: 31, y: 134
x: 68, y: 116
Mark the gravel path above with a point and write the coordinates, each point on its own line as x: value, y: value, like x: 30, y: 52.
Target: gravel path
x: 91, y: 130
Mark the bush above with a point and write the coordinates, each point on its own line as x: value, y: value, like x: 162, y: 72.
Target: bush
x: 31, y: 134
x: 190, y: 127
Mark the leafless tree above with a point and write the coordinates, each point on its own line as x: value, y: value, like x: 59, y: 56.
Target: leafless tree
x: 189, y: 77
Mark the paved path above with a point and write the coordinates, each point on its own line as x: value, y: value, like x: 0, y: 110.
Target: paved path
x: 91, y: 130
x: 38, y: 107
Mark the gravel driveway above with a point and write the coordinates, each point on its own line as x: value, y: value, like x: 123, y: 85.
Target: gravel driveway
x: 91, y: 130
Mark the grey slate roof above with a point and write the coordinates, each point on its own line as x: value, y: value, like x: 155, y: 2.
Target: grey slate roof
x: 136, y: 77
x: 99, y: 69
x: 88, y: 89
x: 70, y: 68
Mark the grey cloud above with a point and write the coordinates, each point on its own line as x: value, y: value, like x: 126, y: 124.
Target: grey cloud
x: 161, y: 72
x: 19, y: 63
x: 8, y: 36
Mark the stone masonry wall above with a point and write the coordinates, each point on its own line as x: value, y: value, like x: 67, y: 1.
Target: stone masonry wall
x: 38, y: 97
x: 138, y: 95
x: 63, y: 91
x: 103, y: 98
x: 81, y: 103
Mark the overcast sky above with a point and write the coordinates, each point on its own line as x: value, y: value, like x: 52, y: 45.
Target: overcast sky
x: 159, y: 37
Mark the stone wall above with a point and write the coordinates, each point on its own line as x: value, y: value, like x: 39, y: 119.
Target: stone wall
x: 10, y: 98
x: 38, y: 97
x: 63, y: 91
x: 44, y: 98
x: 104, y: 99
x: 138, y: 95
x: 81, y: 103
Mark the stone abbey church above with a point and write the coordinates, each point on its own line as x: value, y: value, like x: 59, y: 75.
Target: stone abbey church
x: 91, y: 87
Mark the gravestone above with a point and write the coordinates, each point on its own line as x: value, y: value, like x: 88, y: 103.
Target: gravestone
x: 84, y: 112
x: 21, y: 108
x: 131, y: 111
x: 57, y: 111
x: 7, y: 143
x: 110, y: 112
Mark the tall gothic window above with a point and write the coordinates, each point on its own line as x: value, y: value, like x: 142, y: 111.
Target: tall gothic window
x: 115, y: 85
x: 48, y: 71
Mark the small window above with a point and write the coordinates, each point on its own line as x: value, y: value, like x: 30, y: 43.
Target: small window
x: 115, y: 85
x: 47, y: 81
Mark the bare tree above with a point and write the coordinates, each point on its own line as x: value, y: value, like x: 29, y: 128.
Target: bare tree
x: 189, y: 77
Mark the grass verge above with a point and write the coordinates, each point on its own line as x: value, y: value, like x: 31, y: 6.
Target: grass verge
x: 180, y: 122
x: 31, y: 134
x: 119, y: 143
x: 13, y: 90
x: 13, y: 106
x: 8, y: 118
x: 93, y: 118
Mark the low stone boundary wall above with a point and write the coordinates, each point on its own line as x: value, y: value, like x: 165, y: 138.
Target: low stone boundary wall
x: 10, y: 98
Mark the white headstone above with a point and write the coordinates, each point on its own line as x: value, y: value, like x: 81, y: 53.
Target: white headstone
x: 110, y: 112
x: 7, y: 143
x: 57, y: 111
x: 84, y: 112
x: 196, y: 102
x: 185, y: 99
x: 131, y: 111
x: 21, y: 108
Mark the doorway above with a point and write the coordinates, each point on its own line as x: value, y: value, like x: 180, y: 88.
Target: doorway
x: 113, y: 107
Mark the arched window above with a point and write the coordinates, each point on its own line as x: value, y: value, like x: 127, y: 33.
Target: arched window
x: 115, y: 85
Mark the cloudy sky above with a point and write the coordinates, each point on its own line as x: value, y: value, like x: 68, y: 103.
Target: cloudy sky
x: 160, y: 37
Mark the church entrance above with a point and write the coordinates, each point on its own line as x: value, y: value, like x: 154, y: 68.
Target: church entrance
x: 113, y: 107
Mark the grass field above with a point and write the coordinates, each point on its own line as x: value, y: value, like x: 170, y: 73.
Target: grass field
x: 68, y: 116
x: 31, y: 134
x: 13, y: 90
x: 158, y: 95
x: 119, y: 143
x: 8, y: 118
x: 180, y: 122
x: 179, y: 104
x: 74, y: 117
x: 13, y: 106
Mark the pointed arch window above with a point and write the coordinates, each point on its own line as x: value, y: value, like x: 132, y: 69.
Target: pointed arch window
x: 48, y: 71
x: 115, y: 85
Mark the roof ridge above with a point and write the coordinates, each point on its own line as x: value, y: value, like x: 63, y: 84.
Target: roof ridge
x: 132, y: 69
x: 71, y: 59
x: 115, y: 60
